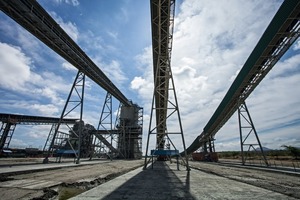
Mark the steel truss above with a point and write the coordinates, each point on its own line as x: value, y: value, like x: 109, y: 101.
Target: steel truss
x: 105, y: 138
x: 209, y: 145
x: 247, y: 129
x: 164, y: 102
x: 6, y: 133
x: 62, y: 138
x: 10, y: 121
x: 47, y: 145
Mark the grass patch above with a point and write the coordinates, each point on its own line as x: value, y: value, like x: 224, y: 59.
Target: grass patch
x: 68, y: 192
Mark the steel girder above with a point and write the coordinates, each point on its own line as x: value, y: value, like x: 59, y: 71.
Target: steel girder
x: 105, y: 134
x: 281, y: 33
x: 60, y: 136
x: 31, y: 16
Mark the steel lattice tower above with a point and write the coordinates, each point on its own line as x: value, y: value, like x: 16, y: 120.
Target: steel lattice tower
x: 164, y: 103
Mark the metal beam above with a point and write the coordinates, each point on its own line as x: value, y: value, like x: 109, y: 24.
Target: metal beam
x: 31, y: 16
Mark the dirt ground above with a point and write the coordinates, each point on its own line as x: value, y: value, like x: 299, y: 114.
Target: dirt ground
x: 277, y: 182
x: 272, y: 162
x: 20, y: 161
x: 65, y: 181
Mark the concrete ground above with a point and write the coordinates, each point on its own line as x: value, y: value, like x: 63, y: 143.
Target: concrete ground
x: 15, y: 168
x: 164, y: 181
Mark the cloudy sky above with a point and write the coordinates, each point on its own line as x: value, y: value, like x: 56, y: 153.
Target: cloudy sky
x: 212, y: 40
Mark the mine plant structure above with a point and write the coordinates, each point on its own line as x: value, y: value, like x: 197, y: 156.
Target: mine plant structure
x: 122, y: 137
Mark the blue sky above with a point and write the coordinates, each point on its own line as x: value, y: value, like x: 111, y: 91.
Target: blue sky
x: 212, y: 40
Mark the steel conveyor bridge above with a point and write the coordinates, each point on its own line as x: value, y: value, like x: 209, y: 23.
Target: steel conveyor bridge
x: 162, y: 18
x: 281, y: 33
x: 164, y: 101
x: 9, y: 122
x: 32, y: 120
x: 31, y: 16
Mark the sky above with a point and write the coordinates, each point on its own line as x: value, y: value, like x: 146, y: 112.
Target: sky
x: 211, y: 42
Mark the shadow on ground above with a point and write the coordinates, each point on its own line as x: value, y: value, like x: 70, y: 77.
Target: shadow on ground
x: 161, y: 182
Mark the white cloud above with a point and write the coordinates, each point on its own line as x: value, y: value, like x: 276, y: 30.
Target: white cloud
x: 18, y: 143
x: 137, y: 82
x: 145, y: 90
x: 71, y: 2
x: 49, y: 93
x: 296, y: 45
x: 39, y: 132
x: 16, y: 75
x: 69, y: 27
x: 112, y: 70
x: 68, y: 66
x: 18, y: 37
x: 31, y: 107
x: 14, y: 67
x: 45, y: 110
x: 33, y: 136
x: 123, y: 15
x: 91, y: 42
x: 113, y: 34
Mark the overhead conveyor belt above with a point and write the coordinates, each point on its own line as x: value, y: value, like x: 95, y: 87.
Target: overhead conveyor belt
x: 9, y: 122
x: 281, y: 33
x: 30, y: 120
x: 30, y: 15
x: 162, y: 18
